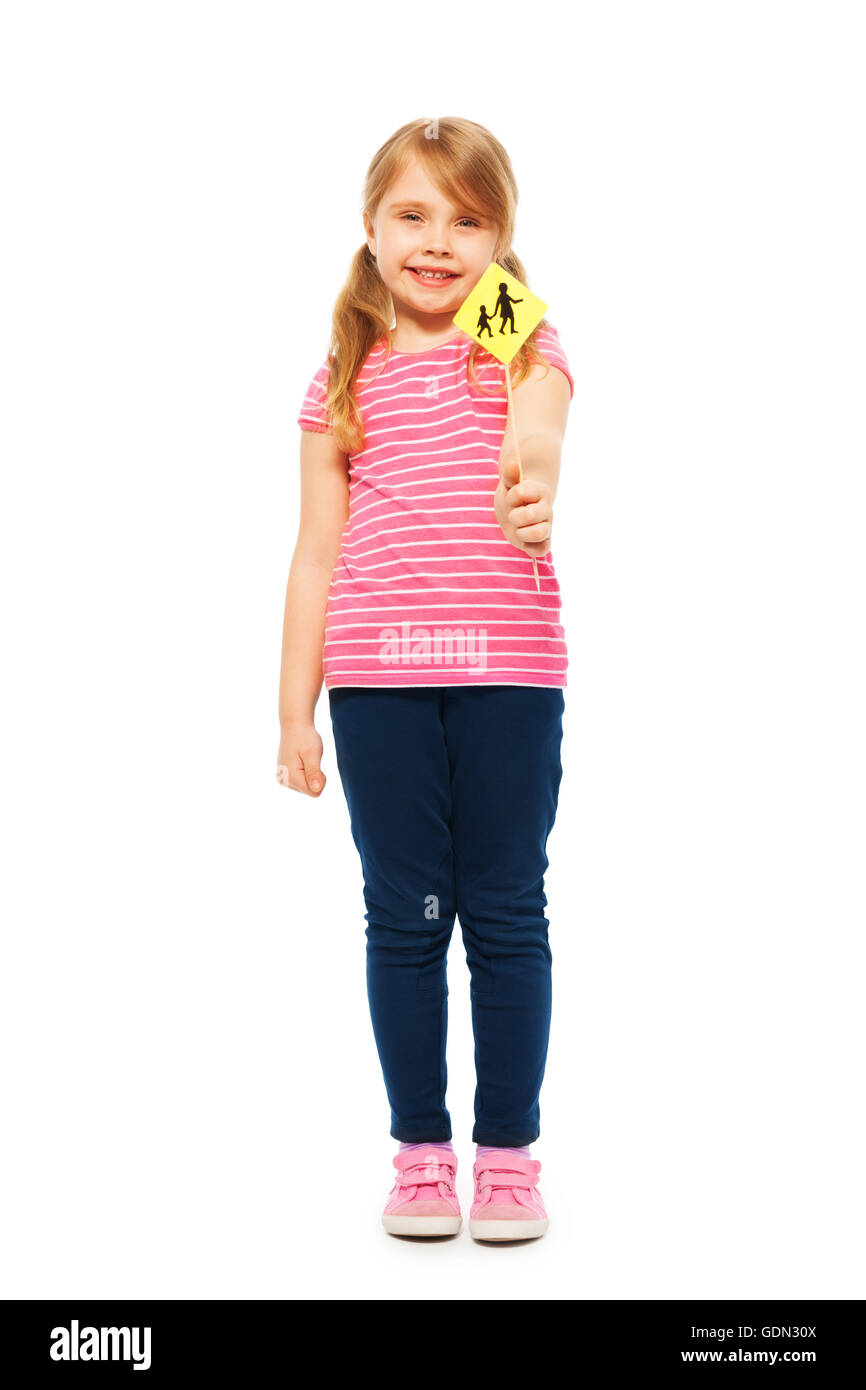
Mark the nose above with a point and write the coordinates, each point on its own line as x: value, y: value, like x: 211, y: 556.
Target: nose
x: 438, y: 244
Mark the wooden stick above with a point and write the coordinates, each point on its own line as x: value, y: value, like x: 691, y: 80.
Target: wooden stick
x: 517, y: 452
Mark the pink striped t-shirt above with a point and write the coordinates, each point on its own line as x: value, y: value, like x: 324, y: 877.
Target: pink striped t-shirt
x: 426, y: 589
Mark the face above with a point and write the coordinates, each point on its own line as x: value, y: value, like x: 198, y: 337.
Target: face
x: 416, y: 226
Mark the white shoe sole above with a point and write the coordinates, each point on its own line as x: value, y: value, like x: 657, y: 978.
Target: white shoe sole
x: 422, y: 1225
x: 508, y: 1230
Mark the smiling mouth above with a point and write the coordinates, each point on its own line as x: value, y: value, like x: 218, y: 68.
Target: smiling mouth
x: 433, y: 278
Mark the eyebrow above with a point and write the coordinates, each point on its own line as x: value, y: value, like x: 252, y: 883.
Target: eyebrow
x: 425, y: 207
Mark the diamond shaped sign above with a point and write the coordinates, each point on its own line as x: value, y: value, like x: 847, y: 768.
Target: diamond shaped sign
x: 500, y: 312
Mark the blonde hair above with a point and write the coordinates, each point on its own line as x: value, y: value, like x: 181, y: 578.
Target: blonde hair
x: 468, y: 165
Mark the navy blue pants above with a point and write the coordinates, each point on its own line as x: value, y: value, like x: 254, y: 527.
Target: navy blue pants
x: 452, y: 793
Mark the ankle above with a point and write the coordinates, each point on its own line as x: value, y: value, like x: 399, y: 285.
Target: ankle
x: 434, y: 1143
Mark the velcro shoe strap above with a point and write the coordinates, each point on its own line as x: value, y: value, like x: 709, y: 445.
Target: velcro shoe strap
x: 426, y: 1175
x: 499, y: 1169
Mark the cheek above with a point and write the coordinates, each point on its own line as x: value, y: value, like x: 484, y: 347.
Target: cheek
x: 393, y: 252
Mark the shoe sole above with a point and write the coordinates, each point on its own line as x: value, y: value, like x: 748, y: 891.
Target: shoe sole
x: 422, y: 1225
x: 507, y: 1230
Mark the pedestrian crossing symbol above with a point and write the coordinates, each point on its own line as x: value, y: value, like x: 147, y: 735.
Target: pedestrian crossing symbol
x: 500, y: 312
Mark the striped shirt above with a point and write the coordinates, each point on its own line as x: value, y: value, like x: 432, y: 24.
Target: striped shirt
x: 426, y: 589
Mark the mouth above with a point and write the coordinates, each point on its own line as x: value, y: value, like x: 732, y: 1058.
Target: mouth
x: 432, y: 277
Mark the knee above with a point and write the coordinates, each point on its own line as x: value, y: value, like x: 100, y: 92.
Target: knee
x: 504, y: 926
x: 507, y: 904
x: 407, y: 935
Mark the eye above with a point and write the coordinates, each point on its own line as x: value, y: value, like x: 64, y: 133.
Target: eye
x: 469, y: 220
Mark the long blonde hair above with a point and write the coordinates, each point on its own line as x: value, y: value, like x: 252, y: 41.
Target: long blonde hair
x: 467, y: 164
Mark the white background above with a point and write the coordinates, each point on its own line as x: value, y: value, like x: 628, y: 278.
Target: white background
x: 192, y: 1103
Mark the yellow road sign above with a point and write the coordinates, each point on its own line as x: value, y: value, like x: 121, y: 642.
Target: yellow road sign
x: 500, y: 312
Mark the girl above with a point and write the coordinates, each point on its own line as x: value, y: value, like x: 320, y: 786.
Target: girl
x: 412, y: 593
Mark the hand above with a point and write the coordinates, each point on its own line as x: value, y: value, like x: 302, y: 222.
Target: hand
x: 524, y: 510
x: 299, y: 761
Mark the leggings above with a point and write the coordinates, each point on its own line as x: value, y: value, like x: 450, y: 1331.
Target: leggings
x: 452, y: 793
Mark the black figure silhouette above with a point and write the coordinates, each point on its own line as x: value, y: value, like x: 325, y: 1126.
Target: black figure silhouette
x: 483, y: 322
x: 504, y: 302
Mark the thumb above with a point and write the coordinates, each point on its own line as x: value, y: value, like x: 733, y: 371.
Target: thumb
x: 313, y: 773
x: 509, y: 473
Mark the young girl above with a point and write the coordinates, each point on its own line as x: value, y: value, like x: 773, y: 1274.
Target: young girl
x: 411, y: 591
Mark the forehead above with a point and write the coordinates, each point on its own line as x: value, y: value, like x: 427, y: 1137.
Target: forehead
x: 413, y: 184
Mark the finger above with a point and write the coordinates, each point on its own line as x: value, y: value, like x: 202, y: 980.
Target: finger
x: 530, y: 534
x: 292, y: 776
x: 527, y: 490
x: 532, y: 514
x: 538, y: 549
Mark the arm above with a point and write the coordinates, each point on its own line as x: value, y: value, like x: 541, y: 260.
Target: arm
x: 524, y: 509
x: 324, y: 512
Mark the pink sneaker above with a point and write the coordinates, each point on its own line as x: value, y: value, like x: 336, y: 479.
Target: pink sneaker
x: 507, y: 1204
x: 423, y: 1200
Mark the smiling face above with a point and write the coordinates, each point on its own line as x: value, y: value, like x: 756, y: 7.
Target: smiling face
x: 416, y: 227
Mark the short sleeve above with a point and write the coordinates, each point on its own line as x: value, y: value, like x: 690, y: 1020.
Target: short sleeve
x: 548, y: 343
x: 314, y: 412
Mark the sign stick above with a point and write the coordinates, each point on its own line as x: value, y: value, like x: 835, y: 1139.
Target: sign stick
x: 498, y: 292
x: 517, y: 452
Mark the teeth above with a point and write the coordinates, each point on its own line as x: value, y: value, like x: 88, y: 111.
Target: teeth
x: 434, y: 274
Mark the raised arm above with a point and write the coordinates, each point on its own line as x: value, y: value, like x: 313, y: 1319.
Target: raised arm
x: 524, y: 509
x: 324, y: 512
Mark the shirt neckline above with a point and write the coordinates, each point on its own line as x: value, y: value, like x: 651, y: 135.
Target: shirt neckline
x: 425, y: 352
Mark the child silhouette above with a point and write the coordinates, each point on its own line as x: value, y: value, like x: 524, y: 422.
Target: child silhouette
x: 483, y: 322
